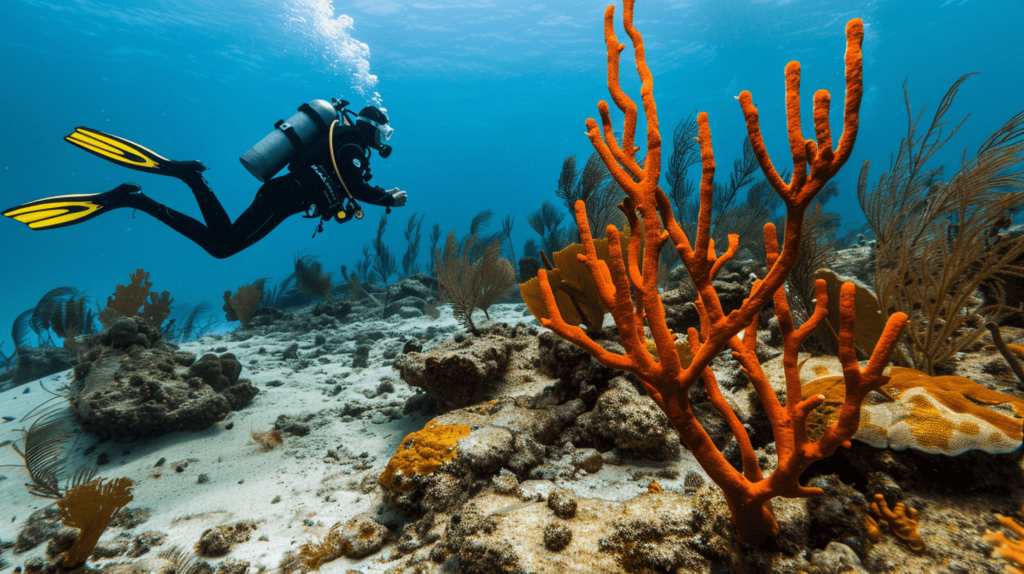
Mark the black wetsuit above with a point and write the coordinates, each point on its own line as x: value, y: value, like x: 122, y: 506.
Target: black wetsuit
x: 310, y: 181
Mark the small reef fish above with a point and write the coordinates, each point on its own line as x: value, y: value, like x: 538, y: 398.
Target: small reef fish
x: 514, y: 507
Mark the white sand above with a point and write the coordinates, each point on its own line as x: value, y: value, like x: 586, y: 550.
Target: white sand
x: 243, y: 480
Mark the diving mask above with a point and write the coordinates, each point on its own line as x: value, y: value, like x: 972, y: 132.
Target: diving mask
x: 385, y: 130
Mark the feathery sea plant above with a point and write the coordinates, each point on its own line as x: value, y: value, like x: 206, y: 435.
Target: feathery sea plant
x: 384, y: 264
x: 547, y: 222
x: 7, y: 358
x: 938, y: 252
x: 531, y: 249
x: 685, y: 154
x: 276, y: 297
x: 363, y: 266
x: 816, y: 244
x: 506, y: 228
x: 593, y: 186
x: 496, y: 275
x: 470, y: 285
x: 90, y: 507
x: 267, y: 440
x: 580, y: 184
x: 355, y: 290
x: 412, y: 251
x: 20, y: 330
x: 191, y: 327
x: 183, y: 561
x: 481, y: 221
x: 745, y: 217
x: 62, y: 311
x: 311, y: 279
x: 44, y: 451
x: 435, y: 236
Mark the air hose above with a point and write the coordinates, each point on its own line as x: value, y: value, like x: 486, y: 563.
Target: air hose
x: 358, y: 214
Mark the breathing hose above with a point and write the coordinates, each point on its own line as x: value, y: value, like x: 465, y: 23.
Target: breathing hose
x: 330, y: 142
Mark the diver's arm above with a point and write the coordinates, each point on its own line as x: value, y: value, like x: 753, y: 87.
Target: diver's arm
x: 374, y: 195
x: 350, y: 165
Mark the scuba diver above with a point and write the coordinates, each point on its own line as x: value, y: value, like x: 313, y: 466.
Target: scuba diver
x: 325, y: 145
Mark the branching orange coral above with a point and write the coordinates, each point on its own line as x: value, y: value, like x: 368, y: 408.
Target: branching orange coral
x: 902, y: 521
x: 90, y: 507
x: 665, y: 378
x: 1009, y: 549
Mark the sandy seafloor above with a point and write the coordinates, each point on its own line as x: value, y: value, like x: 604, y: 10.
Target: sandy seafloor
x: 330, y: 474
x: 315, y: 490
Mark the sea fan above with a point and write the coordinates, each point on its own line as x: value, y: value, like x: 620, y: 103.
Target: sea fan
x: 45, y: 454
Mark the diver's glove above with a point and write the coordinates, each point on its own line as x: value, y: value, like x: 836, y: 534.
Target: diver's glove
x: 399, y: 196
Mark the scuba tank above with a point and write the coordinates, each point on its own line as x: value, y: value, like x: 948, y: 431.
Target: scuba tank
x: 289, y: 138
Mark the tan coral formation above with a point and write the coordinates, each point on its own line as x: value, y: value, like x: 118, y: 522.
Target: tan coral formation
x: 939, y: 415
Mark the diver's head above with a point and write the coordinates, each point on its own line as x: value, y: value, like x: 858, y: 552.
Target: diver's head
x: 373, y: 124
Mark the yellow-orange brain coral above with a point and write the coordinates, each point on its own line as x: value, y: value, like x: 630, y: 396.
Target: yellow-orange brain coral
x: 421, y: 453
x: 938, y: 415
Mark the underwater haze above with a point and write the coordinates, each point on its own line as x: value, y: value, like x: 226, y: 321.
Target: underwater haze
x: 471, y: 380
x: 487, y: 99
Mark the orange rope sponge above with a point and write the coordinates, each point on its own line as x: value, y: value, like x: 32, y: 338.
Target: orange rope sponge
x: 651, y: 220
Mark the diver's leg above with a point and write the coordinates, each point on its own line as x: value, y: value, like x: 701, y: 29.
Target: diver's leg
x: 275, y: 201
x: 213, y: 212
x: 201, y: 235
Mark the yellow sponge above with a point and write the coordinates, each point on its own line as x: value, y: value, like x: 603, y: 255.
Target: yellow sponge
x: 421, y: 453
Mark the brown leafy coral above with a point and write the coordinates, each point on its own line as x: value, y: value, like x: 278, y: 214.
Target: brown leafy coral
x: 665, y: 379
x: 135, y: 299
x: 243, y: 303
x: 575, y: 293
x: 90, y: 507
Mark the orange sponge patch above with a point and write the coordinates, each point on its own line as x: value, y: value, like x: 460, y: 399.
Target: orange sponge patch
x: 421, y: 453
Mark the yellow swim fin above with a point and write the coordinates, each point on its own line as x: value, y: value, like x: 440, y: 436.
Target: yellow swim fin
x: 65, y: 210
x: 130, y: 154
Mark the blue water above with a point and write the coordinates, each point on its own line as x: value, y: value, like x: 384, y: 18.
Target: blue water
x: 486, y: 97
